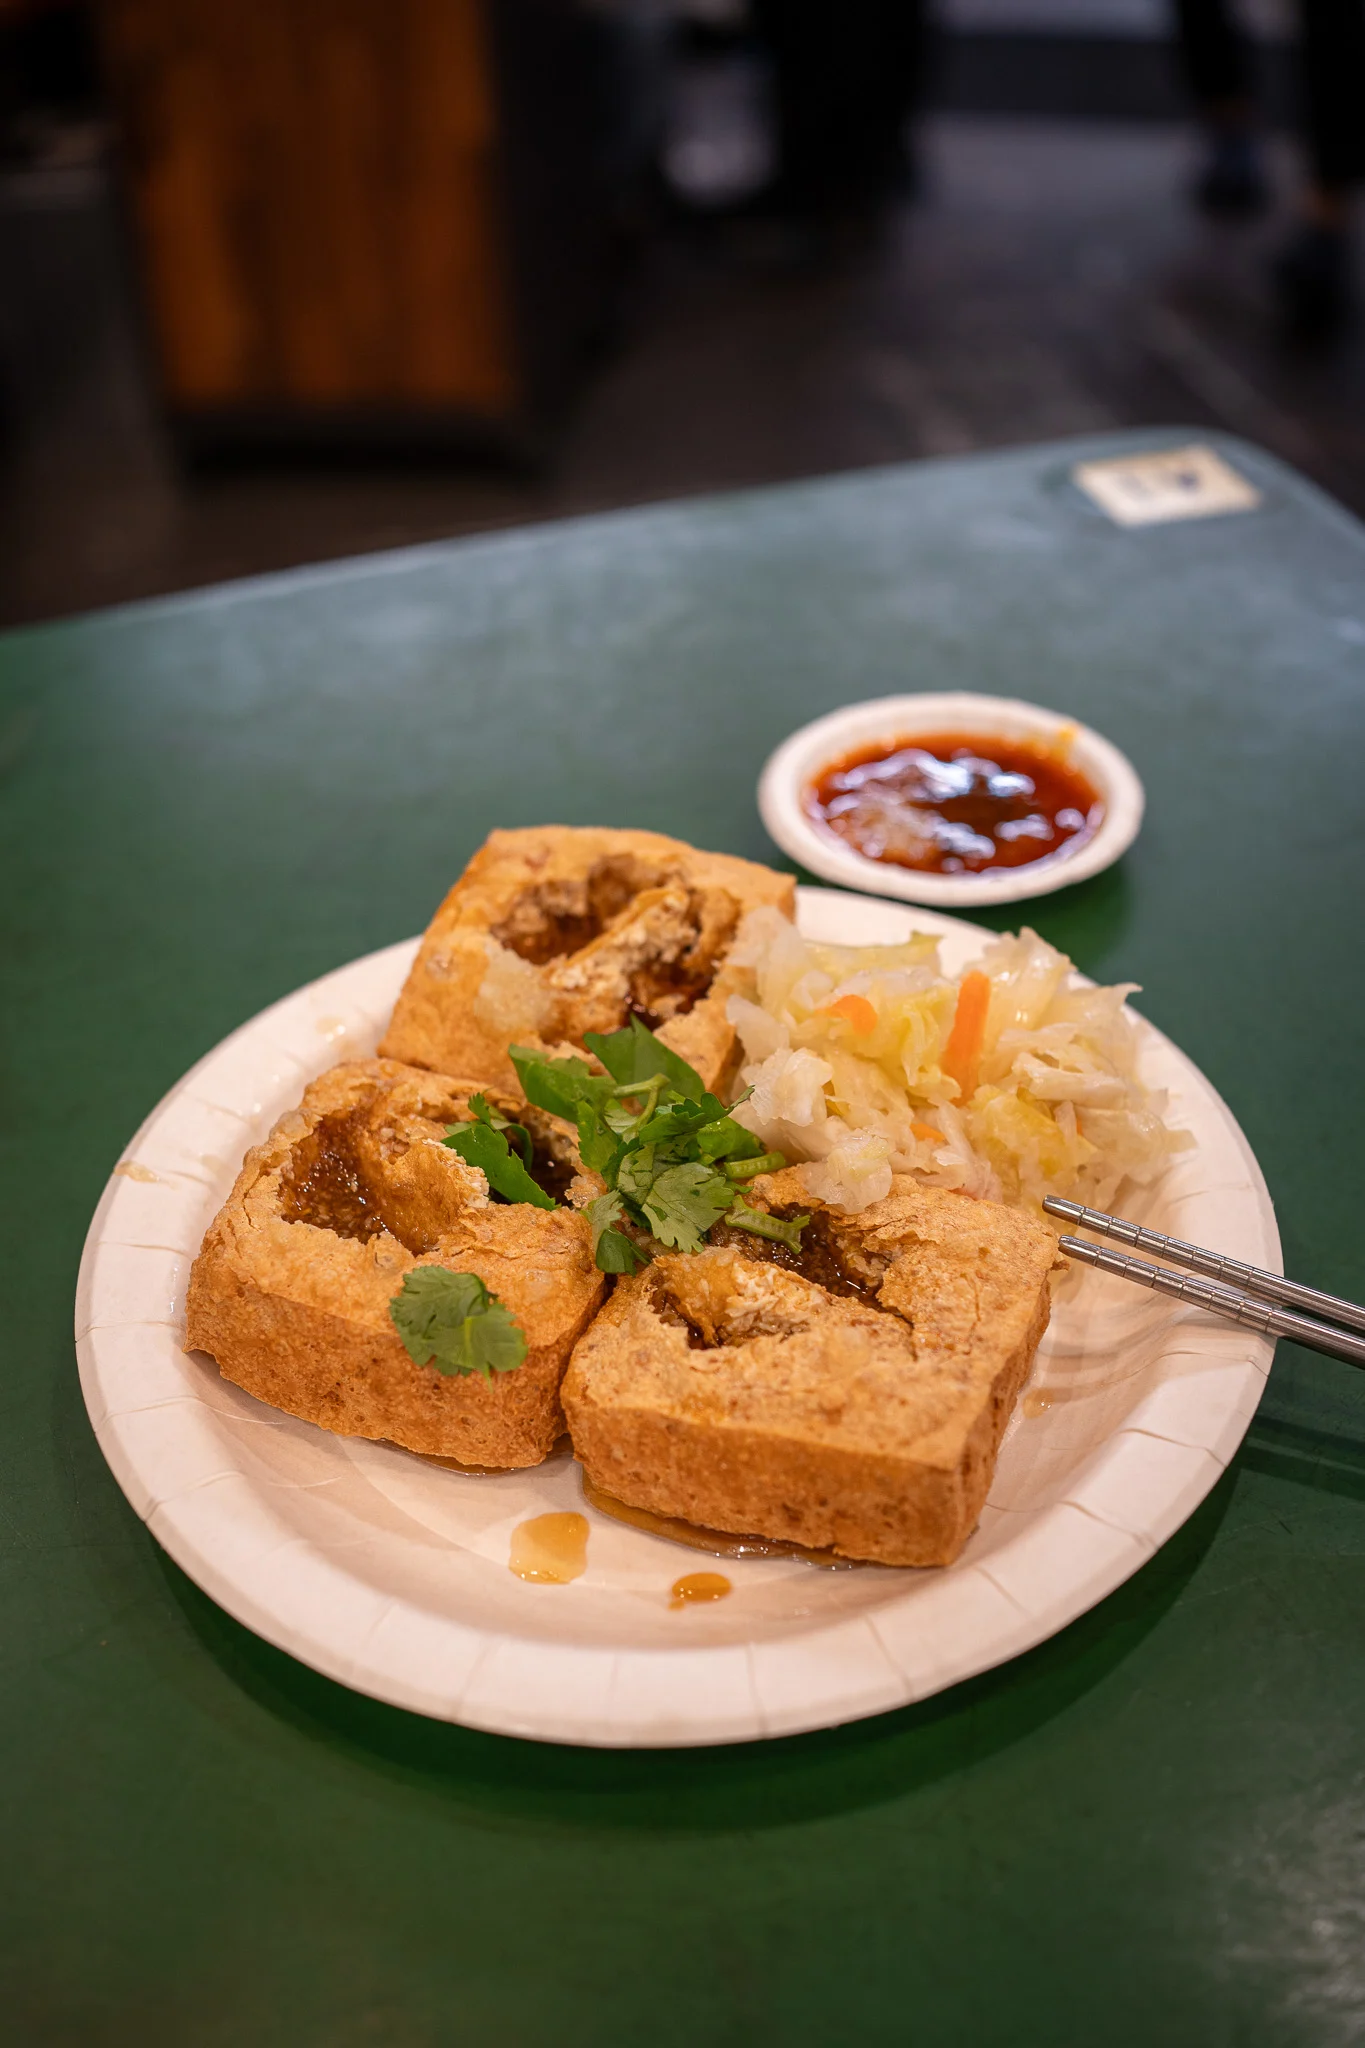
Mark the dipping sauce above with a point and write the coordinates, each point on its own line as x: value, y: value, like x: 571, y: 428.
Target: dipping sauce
x: 953, y: 803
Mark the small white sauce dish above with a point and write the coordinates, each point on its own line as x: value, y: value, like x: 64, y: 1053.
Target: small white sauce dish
x: 799, y: 762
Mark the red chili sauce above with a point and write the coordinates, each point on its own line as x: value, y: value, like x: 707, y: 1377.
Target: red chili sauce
x: 956, y: 803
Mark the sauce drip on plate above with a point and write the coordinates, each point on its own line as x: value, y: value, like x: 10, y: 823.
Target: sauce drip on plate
x: 550, y: 1550
x: 956, y: 803
x: 695, y: 1586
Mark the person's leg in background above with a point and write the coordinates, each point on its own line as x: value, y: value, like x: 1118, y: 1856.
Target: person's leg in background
x: 847, y: 76
x: 1313, y: 272
x: 1219, y: 66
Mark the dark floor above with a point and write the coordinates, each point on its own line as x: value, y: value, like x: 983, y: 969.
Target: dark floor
x: 1049, y: 280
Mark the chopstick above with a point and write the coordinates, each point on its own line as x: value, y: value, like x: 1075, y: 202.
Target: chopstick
x: 1215, y: 1265
x: 1234, y: 1304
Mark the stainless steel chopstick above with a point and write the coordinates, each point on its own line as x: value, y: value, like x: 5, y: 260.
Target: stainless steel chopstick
x: 1220, y: 1301
x: 1215, y: 1265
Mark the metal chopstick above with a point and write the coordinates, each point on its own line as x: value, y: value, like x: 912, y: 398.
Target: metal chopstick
x: 1215, y: 1265
x: 1220, y: 1301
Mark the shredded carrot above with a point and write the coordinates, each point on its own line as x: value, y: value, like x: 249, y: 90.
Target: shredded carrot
x: 962, y: 1054
x: 928, y: 1131
x: 855, y: 1010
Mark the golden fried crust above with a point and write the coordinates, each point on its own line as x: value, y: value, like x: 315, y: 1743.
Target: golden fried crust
x: 297, y: 1311
x: 734, y: 1393
x: 556, y: 931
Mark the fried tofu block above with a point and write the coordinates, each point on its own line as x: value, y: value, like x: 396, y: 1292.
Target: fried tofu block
x: 852, y: 1398
x: 290, y: 1291
x: 556, y: 931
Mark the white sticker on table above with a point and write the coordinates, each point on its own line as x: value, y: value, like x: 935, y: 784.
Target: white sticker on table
x: 1177, y: 483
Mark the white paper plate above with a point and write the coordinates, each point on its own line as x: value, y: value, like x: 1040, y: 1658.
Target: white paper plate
x: 391, y: 1574
x: 792, y: 767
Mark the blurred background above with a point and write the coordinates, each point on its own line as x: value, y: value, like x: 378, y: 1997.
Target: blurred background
x: 283, y: 280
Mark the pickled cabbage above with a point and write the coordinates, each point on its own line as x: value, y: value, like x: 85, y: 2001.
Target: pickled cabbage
x: 844, y: 1059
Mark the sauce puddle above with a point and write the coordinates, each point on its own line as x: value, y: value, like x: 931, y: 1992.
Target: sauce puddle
x: 695, y: 1586
x: 550, y: 1550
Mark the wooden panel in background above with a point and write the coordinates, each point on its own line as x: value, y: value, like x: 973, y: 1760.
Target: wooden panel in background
x: 313, y: 189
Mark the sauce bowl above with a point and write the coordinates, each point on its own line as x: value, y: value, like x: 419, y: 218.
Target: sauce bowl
x: 800, y: 761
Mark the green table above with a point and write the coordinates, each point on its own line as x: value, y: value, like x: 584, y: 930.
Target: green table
x: 1151, y: 1829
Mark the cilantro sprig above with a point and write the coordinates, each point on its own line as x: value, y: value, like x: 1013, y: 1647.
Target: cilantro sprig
x: 674, y: 1159
x: 612, y: 1250
x: 516, y: 1134
x: 487, y: 1143
x: 451, y: 1321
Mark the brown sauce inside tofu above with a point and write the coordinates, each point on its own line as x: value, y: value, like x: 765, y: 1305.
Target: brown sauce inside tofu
x: 552, y: 1175
x: 819, y: 1259
x: 541, y: 933
x: 661, y: 989
x: 667, y: 1310
x: 552, y: 919
x: 669, y: 988
x: 324, y: 1185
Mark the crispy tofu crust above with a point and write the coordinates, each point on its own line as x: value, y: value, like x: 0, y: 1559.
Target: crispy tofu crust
x: 290, y: 1291
x: 555, y: 931
x: 863, y: 1415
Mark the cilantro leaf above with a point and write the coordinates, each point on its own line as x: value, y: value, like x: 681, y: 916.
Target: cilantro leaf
x: 635, y: 1054
x: 683, y: 1202
x: 782, y: 1230
x: 617, y: 1253
x: 637, y: 1171
x: 669, y: 1151
x: 558, y: 1085
x: 680, y: 1119
x: 517, y: 1134
x: 613, y: 1251
x: 618, y: 1116
x: 598, y: 1147
x: 726, y: 1139
x: 451, y: 1321
x: 479, y: 1145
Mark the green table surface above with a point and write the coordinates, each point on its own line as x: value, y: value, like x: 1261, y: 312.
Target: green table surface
x: 1149, y: 1830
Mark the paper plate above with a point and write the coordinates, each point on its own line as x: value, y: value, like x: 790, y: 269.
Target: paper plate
x: 391, y: 1574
